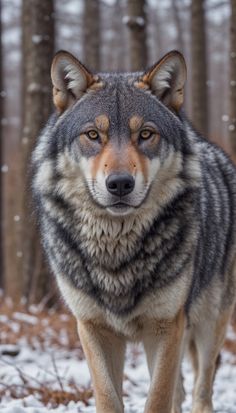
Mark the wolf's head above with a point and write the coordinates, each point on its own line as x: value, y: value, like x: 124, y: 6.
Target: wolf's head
x: 120, y: 129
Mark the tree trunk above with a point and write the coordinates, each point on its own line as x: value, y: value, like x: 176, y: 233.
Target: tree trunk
x: 155, y: 38
x: 232, y: 117
x: 1, y: 153
x: 37, y: 51
x: 91, y: 34
x: 178, y: 26
x: 199, y: 67
x: 113, y: 56
x: 136, y: 22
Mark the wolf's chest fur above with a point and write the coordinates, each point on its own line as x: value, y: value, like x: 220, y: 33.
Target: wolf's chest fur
x: 118, y: 261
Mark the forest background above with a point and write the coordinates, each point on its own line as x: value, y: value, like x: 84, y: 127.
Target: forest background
x: 106, y: 35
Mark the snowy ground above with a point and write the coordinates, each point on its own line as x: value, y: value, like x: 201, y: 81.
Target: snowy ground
x: 56, y: 370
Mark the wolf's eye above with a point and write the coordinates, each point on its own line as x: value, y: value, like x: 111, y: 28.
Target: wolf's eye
x: 146, y: 134
x: 92, y: 134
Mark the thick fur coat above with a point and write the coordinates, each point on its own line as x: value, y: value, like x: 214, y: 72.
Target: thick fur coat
x: 168, y: 246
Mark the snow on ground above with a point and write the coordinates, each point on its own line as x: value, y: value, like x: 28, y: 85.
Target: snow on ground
x: 60, y: 369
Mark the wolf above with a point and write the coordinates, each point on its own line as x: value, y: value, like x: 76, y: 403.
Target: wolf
x: 137, y: 216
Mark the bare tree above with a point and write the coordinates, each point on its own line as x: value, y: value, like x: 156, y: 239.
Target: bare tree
x: 91, y: 34
x: 178, y: 25
x: 1, y: 152
x: 199, y: 67
x: 119, y: 38
x: 37, y: 52
x: 155, y: 36
x: 113, y: 55
x: 232, y: 120
x: 136, y: 22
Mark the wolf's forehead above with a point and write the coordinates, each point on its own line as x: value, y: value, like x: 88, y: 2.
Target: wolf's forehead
x: 120, y: 105
x: 102, y: 122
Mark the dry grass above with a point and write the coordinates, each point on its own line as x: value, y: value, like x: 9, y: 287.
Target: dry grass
x: 38, y: 326
x: 40, y: 329
x: 43, y: 391
x: 230, y: 345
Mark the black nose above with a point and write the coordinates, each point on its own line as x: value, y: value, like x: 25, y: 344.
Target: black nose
x: 120, y: 184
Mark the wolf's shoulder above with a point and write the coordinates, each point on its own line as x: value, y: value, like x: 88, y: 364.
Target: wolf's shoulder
x: 209, y: 153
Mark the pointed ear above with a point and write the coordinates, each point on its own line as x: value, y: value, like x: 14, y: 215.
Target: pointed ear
x: 70, y: 80
x: 166, y: 79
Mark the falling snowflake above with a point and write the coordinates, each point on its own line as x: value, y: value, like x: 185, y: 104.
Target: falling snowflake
x: 4, y: 169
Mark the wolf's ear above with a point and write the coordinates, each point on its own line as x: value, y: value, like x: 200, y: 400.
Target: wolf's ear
x: 166, y: 79
x: 70, y: 80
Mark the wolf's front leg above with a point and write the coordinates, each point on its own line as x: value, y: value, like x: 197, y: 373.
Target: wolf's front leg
x: 104, y: 351
x: 163, y: 344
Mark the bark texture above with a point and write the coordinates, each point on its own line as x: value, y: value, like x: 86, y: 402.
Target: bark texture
x: 37, y: 52
x: 115, y: 58
x: 178, y: 26
x: 91, y: 34
x: 232, y: 117
x: 136, y: 22
x: 199, y: 67
x: 1, y: 153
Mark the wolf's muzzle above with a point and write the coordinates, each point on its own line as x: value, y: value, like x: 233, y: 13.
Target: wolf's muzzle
x: 120, y: 184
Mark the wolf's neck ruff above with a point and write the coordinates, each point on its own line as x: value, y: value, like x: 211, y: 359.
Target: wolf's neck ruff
x: 127, y: 270
x: 117, y: 261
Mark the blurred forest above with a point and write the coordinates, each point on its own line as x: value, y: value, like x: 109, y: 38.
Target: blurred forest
x: 106, y: 35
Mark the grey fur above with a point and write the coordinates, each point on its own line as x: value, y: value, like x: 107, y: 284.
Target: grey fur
x: 196, y: 224
x: 168, y: 249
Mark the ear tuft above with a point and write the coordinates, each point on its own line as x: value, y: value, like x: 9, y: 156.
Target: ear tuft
x: 166, y: 79
x: 77, y: 82
x: 70, y: 80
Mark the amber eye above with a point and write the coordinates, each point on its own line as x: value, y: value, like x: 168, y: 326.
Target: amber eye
x: 146, y: 134
x: 92, y: 134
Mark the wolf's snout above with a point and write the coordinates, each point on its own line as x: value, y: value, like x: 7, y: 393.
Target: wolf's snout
x: 120, y: 184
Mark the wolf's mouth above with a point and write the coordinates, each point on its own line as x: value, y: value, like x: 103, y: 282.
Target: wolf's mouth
x: 119, y: 208
x: 119, y: 205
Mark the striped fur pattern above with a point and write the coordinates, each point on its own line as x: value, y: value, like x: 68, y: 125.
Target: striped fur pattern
x: 171, y: 245
x: 188, y: 215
